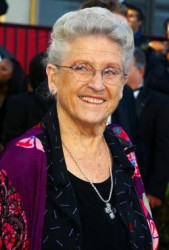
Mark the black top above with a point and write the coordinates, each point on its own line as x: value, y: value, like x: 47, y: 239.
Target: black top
x: 62, y: 221
x: 98, y: 230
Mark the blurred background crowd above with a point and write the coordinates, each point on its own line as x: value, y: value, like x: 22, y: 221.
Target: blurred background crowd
x: 144, y: 109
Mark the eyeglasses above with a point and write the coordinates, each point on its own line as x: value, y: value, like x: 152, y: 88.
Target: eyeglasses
x: 84, y: 72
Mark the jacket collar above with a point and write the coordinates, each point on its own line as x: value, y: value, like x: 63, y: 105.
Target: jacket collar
x: 58, y: 178
x: 119, y: 148
x: 58, y: 181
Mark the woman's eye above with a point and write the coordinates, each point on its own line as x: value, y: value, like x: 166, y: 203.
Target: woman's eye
x: 81, y: 68
x: 111, y: 72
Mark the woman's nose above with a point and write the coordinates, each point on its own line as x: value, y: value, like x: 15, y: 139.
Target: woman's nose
x: 96, y: 82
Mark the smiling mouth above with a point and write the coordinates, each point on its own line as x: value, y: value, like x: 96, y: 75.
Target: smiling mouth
x: 92, y: 100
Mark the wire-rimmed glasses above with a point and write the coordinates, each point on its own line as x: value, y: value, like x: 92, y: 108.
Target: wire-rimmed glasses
x: 84, y: 72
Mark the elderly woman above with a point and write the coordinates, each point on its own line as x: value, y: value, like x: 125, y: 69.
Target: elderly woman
x: 78, y: 180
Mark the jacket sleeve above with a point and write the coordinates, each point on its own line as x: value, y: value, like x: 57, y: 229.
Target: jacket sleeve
x: 13, y: 224
x: 24, y: 161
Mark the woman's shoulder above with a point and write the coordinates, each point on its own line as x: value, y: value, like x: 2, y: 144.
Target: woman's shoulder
x: 24, y: 161
x: 29, y: 140
x: 22, y: 154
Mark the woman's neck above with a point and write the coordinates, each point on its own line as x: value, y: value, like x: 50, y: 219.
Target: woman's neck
x: 84, y: 148
x: 87, y: 135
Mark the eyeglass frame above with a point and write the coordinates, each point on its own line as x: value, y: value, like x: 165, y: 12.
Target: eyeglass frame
x: 93, y: 73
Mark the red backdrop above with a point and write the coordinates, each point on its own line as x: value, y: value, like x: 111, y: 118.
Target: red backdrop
x: 24, y: 41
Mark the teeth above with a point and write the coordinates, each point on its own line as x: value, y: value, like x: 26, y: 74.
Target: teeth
x: 92, y: 100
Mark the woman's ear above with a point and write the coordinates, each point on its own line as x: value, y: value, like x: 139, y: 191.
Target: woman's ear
x: 51, y: 74
x: 125, y: 79
x: 121, y: 94
x: 121, y: 91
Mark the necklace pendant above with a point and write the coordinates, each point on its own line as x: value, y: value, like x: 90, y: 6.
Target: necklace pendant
x: 109, y: 210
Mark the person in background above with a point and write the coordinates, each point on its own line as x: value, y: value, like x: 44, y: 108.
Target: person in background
x: 12, y: 81
x: 78, y: 179
x: 4, y: 53
x: 3, y: 10
x: 135, y: 18
x: 113, y: 5
x: 157, y: 75
x: 12, y: 78
x: 166, y: 28
x: 25, y: 110
x: 152, y: 109
x: 3, y: 7
x: 162, y: 47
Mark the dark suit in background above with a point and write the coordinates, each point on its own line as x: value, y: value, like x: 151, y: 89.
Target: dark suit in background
x: 125, y: 114
x: 153, y: 114
x: 152, y: 110
x: 24, y: 111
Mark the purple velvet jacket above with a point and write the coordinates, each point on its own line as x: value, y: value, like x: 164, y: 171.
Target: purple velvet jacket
x: 26, y: 157
x: 25, y: 162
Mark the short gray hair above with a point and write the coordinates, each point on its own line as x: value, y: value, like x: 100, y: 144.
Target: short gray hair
x: 90, y: 21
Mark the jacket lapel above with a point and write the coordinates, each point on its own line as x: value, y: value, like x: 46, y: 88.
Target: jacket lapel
x: 62, y: 192
x: 127, y: 201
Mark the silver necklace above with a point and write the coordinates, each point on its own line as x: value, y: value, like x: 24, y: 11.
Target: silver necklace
x: 108, y: 208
